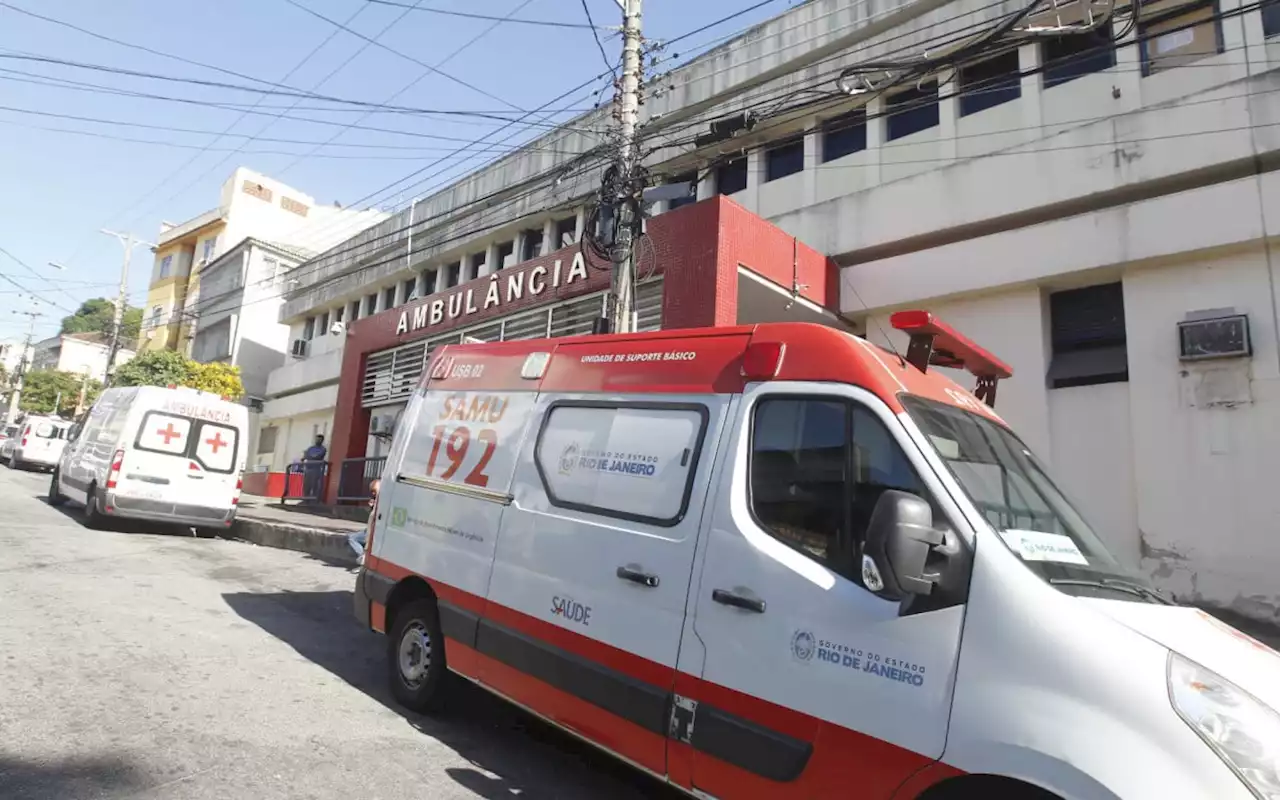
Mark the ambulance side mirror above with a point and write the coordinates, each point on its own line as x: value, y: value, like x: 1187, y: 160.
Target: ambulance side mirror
x: 900, y: 537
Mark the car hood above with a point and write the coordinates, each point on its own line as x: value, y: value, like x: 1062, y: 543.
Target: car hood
x: 1206, y: 640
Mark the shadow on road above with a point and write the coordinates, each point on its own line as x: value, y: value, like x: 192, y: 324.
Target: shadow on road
x: 500, y: 740
x: 21, y: 779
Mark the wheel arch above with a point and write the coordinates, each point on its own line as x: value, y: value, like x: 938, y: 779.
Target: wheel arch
x: 963, y: 787
x: 404, y: 592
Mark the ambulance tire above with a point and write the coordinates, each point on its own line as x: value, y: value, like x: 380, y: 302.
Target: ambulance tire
x: 415, y: 658
x: 56, y: 498
x: 93, y: 516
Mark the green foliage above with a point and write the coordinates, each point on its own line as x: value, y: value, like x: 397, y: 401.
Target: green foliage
x: 164, y: 367
x: 96, y: 316
x: 41, y: 387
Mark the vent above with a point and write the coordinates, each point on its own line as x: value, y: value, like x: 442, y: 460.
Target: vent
x: 576, y: 318
x: 648, y: 304
x: 532, y: 325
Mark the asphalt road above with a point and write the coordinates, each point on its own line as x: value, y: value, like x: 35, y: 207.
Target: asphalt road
x: 150, y: 664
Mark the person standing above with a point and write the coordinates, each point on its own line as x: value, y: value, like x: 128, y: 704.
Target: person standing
x: 313, y: 459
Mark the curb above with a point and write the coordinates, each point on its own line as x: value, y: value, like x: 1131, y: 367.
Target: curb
x: 328, y: 545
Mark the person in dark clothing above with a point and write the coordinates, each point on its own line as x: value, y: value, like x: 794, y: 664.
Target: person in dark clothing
x: 313, y: 459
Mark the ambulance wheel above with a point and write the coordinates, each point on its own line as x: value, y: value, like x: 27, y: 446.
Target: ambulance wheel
x: 93, y: 517
x: 56, y: 498
x: 415, y: 658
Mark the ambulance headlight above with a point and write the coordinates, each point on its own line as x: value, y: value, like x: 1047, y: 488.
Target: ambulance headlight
x: 1244, y: 732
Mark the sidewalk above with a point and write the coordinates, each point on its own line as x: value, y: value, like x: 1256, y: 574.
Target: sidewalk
x: 265, y: 522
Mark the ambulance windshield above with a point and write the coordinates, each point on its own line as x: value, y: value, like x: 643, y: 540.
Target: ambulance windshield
x: 1010, y: 487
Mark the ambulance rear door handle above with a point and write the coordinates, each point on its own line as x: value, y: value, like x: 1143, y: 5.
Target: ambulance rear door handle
x: 725, y: 597
x: 630, y: 573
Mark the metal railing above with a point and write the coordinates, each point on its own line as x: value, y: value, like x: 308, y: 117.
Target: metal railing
x: 304, y: 481
x: 355, y: 475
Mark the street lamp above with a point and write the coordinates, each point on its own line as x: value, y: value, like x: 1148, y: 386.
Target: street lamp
x: 56, y: 265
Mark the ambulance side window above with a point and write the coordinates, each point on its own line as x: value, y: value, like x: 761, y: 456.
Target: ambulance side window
x: 818, y: 466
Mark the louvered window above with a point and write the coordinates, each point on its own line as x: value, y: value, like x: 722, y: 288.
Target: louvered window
x: 1088, y: 336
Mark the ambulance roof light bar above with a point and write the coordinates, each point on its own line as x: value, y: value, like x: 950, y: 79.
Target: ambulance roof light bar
x: 933, y: 341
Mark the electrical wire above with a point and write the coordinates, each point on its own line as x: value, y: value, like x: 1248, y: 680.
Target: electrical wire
x: 395, y: 52
x: 595, y: 32
x: 469, y: 15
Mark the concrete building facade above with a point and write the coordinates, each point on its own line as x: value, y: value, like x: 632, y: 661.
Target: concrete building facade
x: 78, y: 353
x: 1099, y: 209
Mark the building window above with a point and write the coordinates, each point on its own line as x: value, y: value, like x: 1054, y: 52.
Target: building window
x: 207, y: 254
x: 429, y: 282
x: 411, y: 289
x: 731, y: 176
x: 1066, y: 58
x: 322, y: 324
x: 690, y: 178
x: 478, y: 262
x: 353, y: 313
x: 156, y: 314
x: 566, y: 232
x: 818, y: 467
x: 783, y: 159
x: 506, y: 255
x: 166, y: 266
x: 531, y: 245
x: 1271, y: 19
x: 371, y: 305
x: 844, y: 135
x: 309, y: 329
x: 989, y: 83
x: 451, y: 274
x: 912, y: 110
x: 338, y: 313
x: 267, y: 440
x: 389, y: 297
x: 1172, y: 34
x: 1088, y: 336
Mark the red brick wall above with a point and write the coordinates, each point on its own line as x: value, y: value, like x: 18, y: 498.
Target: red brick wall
x: 697, y: 248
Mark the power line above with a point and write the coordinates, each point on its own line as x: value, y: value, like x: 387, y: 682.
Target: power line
x: 395, y: 52
x: 468, y: 15
x: 421, y: 76
x: 595, y: 33
x: 7, y: 277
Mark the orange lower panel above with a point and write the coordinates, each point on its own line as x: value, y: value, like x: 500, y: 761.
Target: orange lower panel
x: 604, y: 729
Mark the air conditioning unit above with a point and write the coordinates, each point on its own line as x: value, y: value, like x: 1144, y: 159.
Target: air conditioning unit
x: 300, y: 347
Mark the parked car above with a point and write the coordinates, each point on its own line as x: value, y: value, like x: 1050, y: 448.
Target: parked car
x: 162, y: 454
x: 778, y: 561
x: 39, y: 443
x: 6, y: 437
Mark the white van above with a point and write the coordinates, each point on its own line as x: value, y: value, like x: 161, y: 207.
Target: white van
x: 170, y: 455
x: 39, y: 443
x: 780, y: 562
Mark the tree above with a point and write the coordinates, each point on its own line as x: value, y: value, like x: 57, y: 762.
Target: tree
x: 41, y: 388
x: 164, y: 367
x: 97, y: 315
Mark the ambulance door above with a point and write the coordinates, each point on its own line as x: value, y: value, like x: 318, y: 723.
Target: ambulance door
x: 811, y: 685
x: 592, y: 575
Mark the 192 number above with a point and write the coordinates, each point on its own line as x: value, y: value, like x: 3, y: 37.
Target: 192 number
x: 456, y: 443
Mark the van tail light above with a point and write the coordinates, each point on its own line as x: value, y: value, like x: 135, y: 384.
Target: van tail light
x: 25, y: 433
x: 117, y: 463
x: 235, y: 501
x: 24, y: 441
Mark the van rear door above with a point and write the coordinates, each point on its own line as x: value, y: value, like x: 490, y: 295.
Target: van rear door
x: 181, y: 459
x: 43, y: 441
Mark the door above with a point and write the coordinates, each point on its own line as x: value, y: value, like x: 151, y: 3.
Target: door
x: 178, y: 459
x: 811, y: 684
x: 591, y: 578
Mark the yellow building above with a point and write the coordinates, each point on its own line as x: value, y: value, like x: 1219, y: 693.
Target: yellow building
x: 180, y: 252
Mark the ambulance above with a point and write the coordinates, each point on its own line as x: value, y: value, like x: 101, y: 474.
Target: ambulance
x: 778, y: 561
x: 163, y: 454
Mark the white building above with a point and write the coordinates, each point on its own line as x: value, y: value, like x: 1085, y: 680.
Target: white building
x: 1064, y: 201
x: 78, y: 353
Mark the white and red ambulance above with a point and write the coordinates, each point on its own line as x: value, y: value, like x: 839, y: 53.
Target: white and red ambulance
x: 778, y: 561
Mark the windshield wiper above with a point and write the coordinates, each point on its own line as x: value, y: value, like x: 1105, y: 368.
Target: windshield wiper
x: 1127, y: 587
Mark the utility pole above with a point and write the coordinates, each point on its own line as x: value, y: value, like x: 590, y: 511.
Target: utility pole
x: 129, y: 242
x: 16, y: 397
x: 627, y: 196
x: 84, y: 390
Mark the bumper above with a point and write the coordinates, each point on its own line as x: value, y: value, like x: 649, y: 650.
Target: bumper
x: 370, y: 588
x: 175, y: 513
x: 40, y: 459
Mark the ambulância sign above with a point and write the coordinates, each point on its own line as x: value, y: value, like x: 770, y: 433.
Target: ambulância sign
x: 503, y: 287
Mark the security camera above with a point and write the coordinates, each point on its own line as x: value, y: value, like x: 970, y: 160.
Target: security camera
x: 338, y: 328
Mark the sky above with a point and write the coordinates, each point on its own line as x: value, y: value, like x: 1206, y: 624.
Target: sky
x: 58, y: 188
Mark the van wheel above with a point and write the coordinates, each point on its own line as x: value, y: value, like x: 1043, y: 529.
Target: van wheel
x: 415, y: 658
x: 93, y: 517
x: 56, y: 498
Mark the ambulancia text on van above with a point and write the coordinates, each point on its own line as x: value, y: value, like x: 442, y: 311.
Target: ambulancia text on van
x: 779, y: 561
x: 172, y: 455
